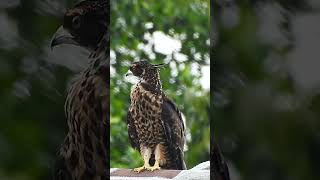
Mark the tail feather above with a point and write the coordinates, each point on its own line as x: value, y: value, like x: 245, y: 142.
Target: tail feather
x: 60, y: 170
x: 219, y: 167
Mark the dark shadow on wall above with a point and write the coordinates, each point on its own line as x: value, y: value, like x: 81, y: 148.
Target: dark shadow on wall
x: 266, y: 88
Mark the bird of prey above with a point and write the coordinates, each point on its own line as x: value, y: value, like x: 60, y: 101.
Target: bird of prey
x: 155, y: 125
x: 84, y: 153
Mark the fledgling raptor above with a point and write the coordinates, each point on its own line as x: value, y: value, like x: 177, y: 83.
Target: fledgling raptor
x: 155, y: 125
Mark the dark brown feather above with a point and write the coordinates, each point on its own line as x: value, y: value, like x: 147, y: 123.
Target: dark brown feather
x: 175, y: 131
x: 219, y: 167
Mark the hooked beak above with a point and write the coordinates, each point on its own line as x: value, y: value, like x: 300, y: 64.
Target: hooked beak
x: 62, y: 37
x: 129, y: 73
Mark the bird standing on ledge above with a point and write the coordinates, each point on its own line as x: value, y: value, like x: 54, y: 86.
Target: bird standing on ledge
x: 155, y: 125
x: 84, y: 154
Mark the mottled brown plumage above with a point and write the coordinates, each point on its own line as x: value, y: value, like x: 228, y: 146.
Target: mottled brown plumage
x: 155, y: 125
x: 85, y: 152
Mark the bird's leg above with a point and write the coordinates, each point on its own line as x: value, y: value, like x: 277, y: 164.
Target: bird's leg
x: 158, y: 157
x: 146, y: 154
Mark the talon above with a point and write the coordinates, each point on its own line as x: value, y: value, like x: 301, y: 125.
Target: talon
x: 153, y: 168
x: 142, y: 168
x: 139, y: 169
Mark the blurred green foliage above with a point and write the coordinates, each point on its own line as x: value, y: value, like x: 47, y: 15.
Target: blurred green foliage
x: 266, y: 121
x: 132, y: 22
x: 32, y: 90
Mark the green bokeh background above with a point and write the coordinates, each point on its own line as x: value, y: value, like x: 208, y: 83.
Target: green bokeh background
x: 266, y: 89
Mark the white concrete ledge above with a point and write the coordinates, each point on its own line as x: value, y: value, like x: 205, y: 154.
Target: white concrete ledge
x: 199, y: 172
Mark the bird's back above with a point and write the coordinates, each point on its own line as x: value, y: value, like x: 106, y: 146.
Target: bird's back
x: 175, y: 130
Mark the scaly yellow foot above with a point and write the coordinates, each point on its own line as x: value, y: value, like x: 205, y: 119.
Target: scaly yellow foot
x: 139, y: 169
x: 153, y: 168
x: 142, y: 168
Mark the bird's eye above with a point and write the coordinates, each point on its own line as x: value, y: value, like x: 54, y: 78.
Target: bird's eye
x: 76, y: 22
x: 134, y: 66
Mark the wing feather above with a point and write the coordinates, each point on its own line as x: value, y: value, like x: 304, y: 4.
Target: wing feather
x: 175, y: 131
x: 132, y: 132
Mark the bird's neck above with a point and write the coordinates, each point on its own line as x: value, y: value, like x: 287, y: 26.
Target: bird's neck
x: 99, y: 63
x: 152, y: 79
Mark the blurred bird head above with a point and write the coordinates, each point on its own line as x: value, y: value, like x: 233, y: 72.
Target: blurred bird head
x: 141, y: 67
x: 83, y: 25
